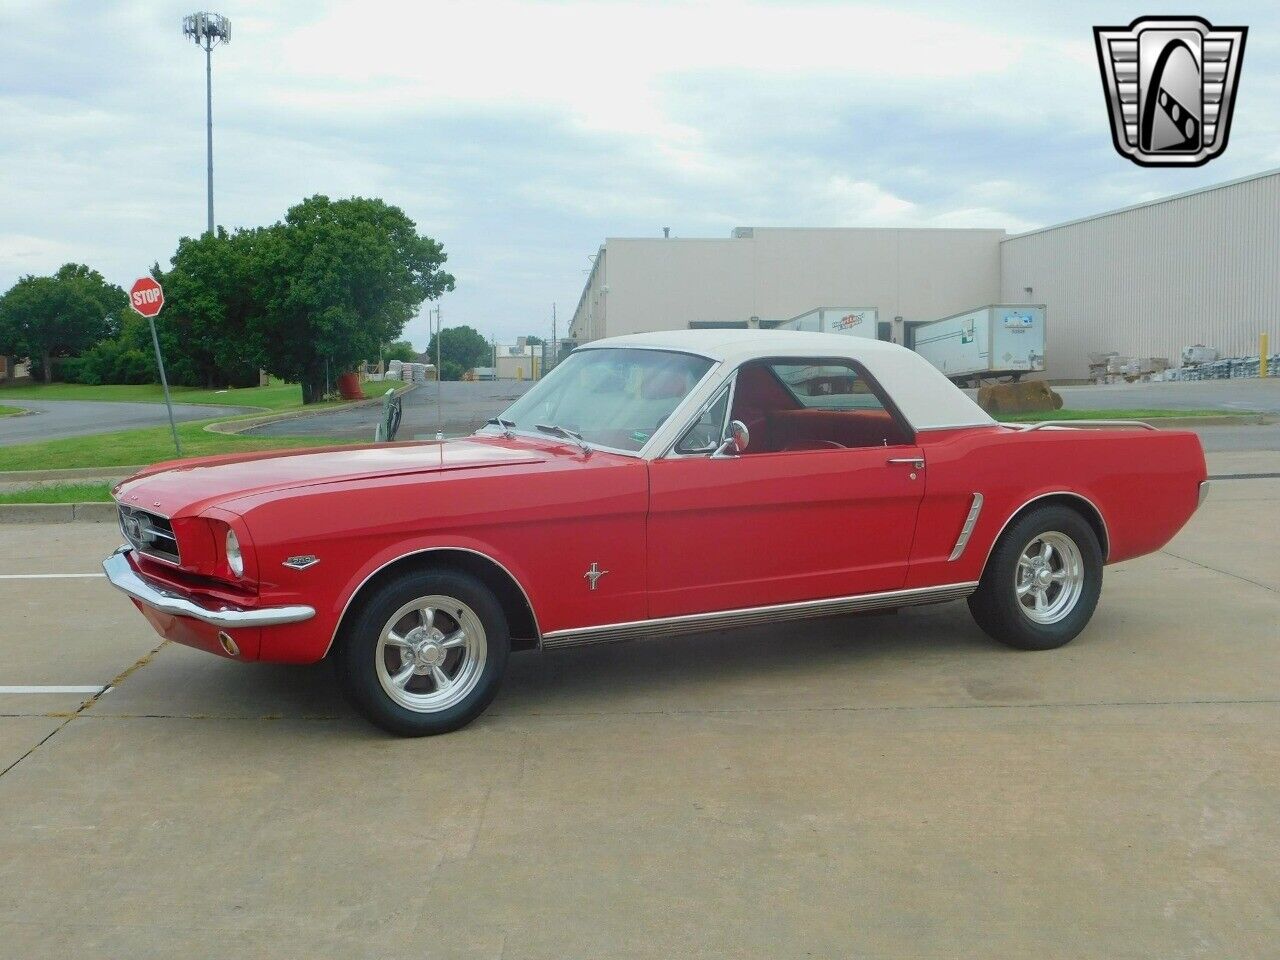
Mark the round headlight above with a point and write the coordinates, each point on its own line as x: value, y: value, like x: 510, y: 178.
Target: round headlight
x: 235, y: 559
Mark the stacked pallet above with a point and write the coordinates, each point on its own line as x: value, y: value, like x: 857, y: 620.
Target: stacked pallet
x: 1114, y: 368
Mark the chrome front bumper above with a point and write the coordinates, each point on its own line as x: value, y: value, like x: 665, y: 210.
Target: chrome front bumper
x: 126, y: 579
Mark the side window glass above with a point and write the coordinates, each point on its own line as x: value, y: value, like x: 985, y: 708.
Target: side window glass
x: 829, y: 406
x: 708, y: 430
x: 827, y: 387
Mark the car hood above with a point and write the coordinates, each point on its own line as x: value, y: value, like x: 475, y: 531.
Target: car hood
x: 186, y: 487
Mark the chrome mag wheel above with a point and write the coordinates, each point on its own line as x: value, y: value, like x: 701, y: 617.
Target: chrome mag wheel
x: 431, y: 654
x: 1049, y: 577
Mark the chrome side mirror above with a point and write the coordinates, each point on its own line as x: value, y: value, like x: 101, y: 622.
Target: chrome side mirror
x: 736, y: 443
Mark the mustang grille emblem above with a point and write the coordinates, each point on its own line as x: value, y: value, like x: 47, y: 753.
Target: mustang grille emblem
x: 594, y: 573
x: 1170, y: 84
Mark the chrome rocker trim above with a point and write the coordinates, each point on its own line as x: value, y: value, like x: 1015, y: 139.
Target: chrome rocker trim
x: 124, y: 578
x: 748, y: 616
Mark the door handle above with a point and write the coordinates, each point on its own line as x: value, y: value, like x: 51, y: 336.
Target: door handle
x: 916, y: 462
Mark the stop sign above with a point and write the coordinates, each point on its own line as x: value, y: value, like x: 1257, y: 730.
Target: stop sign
x: 146, y: 297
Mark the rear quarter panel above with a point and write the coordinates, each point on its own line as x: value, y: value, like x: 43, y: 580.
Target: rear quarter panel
x: 1144, y: 483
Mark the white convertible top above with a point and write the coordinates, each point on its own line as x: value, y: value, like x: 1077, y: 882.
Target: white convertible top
x: 926, y: 398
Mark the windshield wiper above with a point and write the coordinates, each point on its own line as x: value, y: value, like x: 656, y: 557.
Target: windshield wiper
x: 566, y: 433
x: 508, y: 426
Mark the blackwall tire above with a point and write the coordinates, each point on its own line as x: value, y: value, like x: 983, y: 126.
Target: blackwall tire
x: 1042, y: 580
x: 424, y: 652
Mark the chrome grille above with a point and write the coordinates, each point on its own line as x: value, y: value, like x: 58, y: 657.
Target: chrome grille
x: 150, y: 534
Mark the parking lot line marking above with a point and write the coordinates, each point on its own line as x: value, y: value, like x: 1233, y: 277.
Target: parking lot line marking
x: 34, y: 688
x: 48, y: 576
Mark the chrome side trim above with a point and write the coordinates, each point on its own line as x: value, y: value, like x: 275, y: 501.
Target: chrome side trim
x: 962, y: 541
x: 124, y: 578
x: 747, y: 616
x: 537, y: 633
x: 1042, y: 424
x: 1106, y: 531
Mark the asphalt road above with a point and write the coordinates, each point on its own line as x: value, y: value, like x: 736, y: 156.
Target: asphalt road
x: 888, y: 786
x: 54, y: 419
x: 1230, y: 396
x: 466, y: 406
x: 462, y: 408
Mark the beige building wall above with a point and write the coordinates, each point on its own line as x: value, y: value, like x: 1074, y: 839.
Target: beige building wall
x: 639, y: 285
x: 1202, y: 267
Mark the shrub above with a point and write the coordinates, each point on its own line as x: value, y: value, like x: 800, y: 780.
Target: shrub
x: 111, y: 361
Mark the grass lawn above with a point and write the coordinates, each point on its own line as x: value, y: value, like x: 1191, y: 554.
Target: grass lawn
x: 1112, y: 415
x: 10, y: 411
x: 95, y: 492
x: 278, y: 396
x: 148, y: 445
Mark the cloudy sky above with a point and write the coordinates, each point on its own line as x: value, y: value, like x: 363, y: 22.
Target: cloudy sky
x: 523, y: 133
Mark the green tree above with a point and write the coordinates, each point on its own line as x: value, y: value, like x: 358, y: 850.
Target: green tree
x: 334, y: 280
x: 210, y: 291
x: 61, y: 315
x: 461, y: 348
x: 401, y: 350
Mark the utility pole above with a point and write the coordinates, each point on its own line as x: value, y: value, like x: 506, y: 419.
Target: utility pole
x: 439, y: 377
x: 555, y: 352
x: 208, y: 30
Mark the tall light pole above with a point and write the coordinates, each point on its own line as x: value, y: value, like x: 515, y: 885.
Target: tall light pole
x: 208, y: 30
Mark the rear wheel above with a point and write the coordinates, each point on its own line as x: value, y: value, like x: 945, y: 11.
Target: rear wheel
x: 1042, y: 581
x: 424, y: 653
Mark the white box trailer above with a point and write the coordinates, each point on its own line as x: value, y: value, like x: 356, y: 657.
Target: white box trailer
x: 1003, y: 339
x: 852, y: 322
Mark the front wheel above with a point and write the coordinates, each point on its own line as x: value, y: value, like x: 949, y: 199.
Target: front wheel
x: 424, y: 653
x: 1042, y: 580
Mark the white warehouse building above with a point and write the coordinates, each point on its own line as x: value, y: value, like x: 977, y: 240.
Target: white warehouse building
x: 1146, y: 280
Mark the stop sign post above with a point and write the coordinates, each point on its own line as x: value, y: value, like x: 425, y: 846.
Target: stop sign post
x: 147, y: 297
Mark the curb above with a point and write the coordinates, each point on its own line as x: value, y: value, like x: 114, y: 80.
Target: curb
x: 70, y: 473
x: 1237, y: 420
x: 249, y: 423
x: 57, y: 513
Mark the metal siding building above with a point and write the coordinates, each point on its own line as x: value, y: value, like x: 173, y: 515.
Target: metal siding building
x: 641, y: 285
x: 1200, y: 267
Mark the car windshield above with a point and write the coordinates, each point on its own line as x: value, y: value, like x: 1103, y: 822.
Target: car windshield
x: 610, y: 397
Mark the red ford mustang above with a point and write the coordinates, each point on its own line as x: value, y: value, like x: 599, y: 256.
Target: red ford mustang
x: 654, y: 484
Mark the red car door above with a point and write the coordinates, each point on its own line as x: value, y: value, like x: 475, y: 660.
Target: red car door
x: 822, y: 504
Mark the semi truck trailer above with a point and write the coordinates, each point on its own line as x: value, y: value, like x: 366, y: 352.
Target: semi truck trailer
x: 1002, y: 339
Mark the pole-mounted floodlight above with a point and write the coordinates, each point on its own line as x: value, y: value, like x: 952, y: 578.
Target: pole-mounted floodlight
x: 208, y: 30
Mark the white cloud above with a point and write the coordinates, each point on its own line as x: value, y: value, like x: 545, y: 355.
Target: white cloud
x: 523, y: 133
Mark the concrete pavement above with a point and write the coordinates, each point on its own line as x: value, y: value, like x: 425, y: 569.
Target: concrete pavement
x: 894, y: 786
x: 54, y: 419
